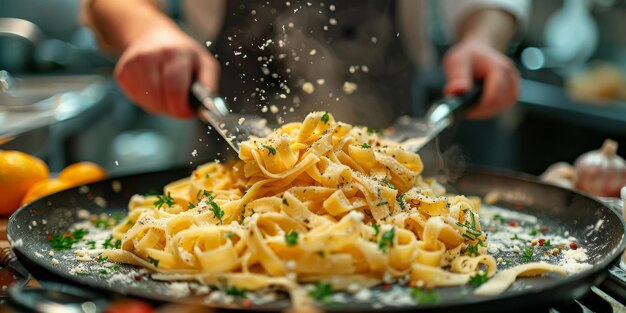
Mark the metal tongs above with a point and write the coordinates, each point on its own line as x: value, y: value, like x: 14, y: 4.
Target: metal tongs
x: 415, y: 133
x: 233, y: 127
x: 412, y: 133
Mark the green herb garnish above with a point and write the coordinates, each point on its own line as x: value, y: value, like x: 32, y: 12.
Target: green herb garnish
x: 401, y: 201
x: 534, y: 232
x: 67, y: 239
x: 291, y: 238
x: 382, y: 203
x: 325, y: 118
x: 321, y: 292
x: 423, y: 296
x: 478, y: 279
x: 191, y: 205
x: 115, y: 267
x: 498, y: 218
x: 153, y: 261
x: 270, y: 150
x: 215, y: 208
x: 91, y: 244
x: 365, y: 146
x: 386, y: 182
x: 234, y: 291
x: 527, y: 255
x: 101, y: 259
x: 103, y: 272
x: 164, y: 200
x: 386, y: 240
x: 376, y: 229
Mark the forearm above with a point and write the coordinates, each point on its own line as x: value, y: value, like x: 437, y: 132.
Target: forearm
x: 119, y: 22
x: 492, y: 26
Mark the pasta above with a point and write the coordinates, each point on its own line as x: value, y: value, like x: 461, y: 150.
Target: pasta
x: 314, y: 201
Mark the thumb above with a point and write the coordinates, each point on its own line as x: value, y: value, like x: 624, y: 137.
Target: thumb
x: 458, y: 70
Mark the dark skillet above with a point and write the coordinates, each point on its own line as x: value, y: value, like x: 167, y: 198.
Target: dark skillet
x: 560, y: 209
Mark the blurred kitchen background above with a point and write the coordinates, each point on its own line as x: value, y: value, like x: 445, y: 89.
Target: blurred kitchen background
x: 58, y: 100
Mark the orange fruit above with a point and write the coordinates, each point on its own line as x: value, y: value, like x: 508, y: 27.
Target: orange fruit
x: 18, y: 172
x: 44, y: 188
x: 82, y: 173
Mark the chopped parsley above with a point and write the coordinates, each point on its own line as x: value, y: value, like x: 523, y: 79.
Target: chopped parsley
x: 109, y: 243
x: 115, y: 267
x: 91, y: 244
x: 386, y: 182
x: 515, y: 237
x: 534, y: 232
x: 386, y: 240
x: 83, y: 273
x: 190, y: 205
x: 472, y: 250
x: 101, y: 259
x: 215, y: 208
x: 234, y: 291
x: 527, y: 254
x: 229, y: 234
x: 423, y: 296
x: 401, y: 201
x: 164, y: 200
x: 291, y: 238
x: 382, y: 203
x: 365, y: 146
x: 370, y: 130
x: 547, y: 243
x: 103, y: 272
x: 270, y: 150
x: 498, y: 218
x: 321, y: 292
x: 478, y: 279
x: 153, y: 261
x: 325, y: 118
x: 376, y: 229
x: 101, y: 223
x: 67, y: 239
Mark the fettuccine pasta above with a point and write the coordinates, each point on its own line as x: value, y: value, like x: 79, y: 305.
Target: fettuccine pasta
x: 314, y: 201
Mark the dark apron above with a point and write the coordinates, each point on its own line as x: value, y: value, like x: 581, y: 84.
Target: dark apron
x: 364, y: 37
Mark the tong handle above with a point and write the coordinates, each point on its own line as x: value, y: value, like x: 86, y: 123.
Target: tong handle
x: 201, y: 96
x: 455, y: 105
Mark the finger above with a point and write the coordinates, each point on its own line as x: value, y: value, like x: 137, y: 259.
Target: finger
x: 207, y: 70
x: 138, y: 78
x: 494, y: 91
x: 458, y: 68
x: 177, y: 73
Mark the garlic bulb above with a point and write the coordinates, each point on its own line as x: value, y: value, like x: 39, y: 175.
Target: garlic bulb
x: 601, y: 172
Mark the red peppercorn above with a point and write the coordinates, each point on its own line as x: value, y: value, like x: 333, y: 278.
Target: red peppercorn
x: 573, y: 246
x: 543, y: 228
x: 541, y: 241
x: 138, y: 277
x: 513, y: 223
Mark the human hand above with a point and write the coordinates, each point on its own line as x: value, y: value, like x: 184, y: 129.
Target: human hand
x: 471, y: 60
x: 156, y: 70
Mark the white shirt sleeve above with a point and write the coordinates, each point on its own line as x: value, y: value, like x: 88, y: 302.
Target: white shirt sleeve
x: 455, y: 12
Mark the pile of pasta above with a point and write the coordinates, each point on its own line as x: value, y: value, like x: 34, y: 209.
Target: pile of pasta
x: 314, y: 201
